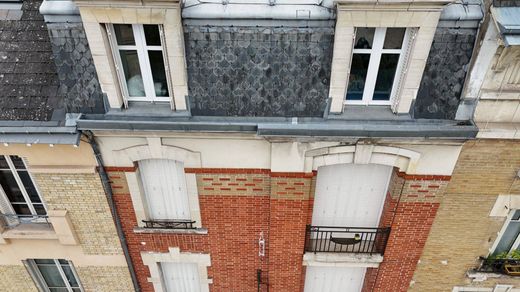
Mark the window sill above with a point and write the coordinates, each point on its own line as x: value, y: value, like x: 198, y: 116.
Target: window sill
x: 201, y: 231
x: 30, y: 231
x: 147, y: 109
x: 342, y: 259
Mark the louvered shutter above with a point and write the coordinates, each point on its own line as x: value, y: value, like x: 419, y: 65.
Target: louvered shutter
x: 334, y: 279
x: 402, y: 70
x: 7, y: 209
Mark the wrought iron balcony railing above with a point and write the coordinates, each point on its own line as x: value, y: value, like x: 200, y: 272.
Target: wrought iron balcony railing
x: 509, y: 267
x: 363, y: 240
x: 169, y: 224
x: 12, y: 220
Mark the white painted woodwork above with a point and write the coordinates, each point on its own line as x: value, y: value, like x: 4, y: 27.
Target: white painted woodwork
x: 334, y: 279
x: 181, y: 277
x: 164, y: 184
x: 350, y: 195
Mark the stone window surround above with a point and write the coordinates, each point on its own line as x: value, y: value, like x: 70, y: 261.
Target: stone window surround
x: 502, y: 231
x: 169, y: 16
x: 482, y: 289
x: 152, y: 260
x: 405, y: 160
x: 155, y: 150
x: 425, y: 18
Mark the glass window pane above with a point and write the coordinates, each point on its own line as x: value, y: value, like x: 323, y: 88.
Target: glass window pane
x: 358, y: 75
x: 10, y: 186
x: 508, y: 238
x: 17, y: 161
x: 58, y: 290
x: 158, y: 73
x: 124, y: 34
x: 40, y: 210
x: 76, y: 289
x: 51, y: 275
x: 364, y: 37
x: 70, y: 275
x: 385, y: 76
x: 516, y: 215
x: 394, y: 38
x: 151, y: 34
x: 29, y: 186
x: 21, y: 209
x: 44, y: 261
x: 134, y: 80
x: 3, y: 163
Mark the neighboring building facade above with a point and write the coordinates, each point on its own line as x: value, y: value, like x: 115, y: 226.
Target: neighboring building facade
x: 280, y: 153
x: 57, y: 232
x: 473, y: 242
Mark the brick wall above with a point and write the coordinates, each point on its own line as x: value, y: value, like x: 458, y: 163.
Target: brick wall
x: 236, y: 206
x: 463, y: 229
x: 410, y: 208
x: 16, y: 278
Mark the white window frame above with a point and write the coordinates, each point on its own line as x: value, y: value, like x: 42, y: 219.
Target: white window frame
x: 38, y: 279
x: 144, y: 63
x: 373, y: 67
x: 18, y: 180
x: 503, y: 230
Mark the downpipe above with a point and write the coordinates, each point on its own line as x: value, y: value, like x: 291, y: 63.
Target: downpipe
x: 110, y: 198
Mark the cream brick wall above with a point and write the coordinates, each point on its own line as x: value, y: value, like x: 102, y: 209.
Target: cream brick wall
x: 82, y: 195
x: 463, y: 229
x: 16, y: 279
x: 105, y: 279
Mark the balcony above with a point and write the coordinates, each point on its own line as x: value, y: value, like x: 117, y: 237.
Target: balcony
x: 353, y: 240
x: 504, y: 266
x: 169, y: 224
x: 56, y: 225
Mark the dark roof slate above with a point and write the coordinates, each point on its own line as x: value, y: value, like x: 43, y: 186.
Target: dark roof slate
x: 28, y: 78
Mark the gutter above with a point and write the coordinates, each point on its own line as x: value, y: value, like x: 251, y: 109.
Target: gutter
x: 110, y: 198
x: 297, y: 128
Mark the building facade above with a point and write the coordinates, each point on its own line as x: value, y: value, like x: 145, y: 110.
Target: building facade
x: 57, y: 230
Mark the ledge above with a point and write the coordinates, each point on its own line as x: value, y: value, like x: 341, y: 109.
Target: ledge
x: 342, y: 259
x: 143, y: 230
x: 30, y: 231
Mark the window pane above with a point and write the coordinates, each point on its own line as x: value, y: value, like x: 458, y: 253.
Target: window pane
x: 385, y: 76
x: 44, y: 261
x: 51, y: 275
x: 58, y: 289
x: 40, y: 210
x: 394, y: 38
x: 70, y: 275
x: 358, y: 75
x: 158, y: 73
x: 21, y: 209
x: 29, y: 186
x: 134, y: 80
x: 364, y: 37
x: 17, y: 161
x: 124, y: 34
x: 3, y: 163
x: 152, y: 36
x: 508, y: 238
x: 10, y: 187
x: 516, y: 215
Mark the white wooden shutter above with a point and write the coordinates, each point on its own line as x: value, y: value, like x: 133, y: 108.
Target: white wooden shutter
x: 164, y: 184
x: 402, y: 69
x: 334, y: 279
x: 350, y: 195
x: 181, y: 277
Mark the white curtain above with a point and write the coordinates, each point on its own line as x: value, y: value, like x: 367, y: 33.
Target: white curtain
x: 164, y: 184
x: 181, y: 277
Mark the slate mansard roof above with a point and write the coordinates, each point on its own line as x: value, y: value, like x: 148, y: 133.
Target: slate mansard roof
x: 28, y: 79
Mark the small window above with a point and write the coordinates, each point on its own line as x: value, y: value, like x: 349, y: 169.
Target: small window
x: 508, y: 239
x: 54, y: 275
x: 18, y: 189
x: 164, y: 184
x: 375, y: 63
x: 139, y: 56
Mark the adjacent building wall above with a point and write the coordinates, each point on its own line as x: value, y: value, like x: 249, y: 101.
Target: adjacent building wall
x: 464, y: 228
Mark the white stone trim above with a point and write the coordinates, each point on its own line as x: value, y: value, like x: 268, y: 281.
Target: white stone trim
x: 169, y: 17
x: 324, y: 259
x: 404, y: 159
x: 351, y: 16
x: 152, y: 260
x: 156, y: 150
x: 504, y: 203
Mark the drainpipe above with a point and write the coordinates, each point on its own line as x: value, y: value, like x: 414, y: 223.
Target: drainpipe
x: 110, y: 198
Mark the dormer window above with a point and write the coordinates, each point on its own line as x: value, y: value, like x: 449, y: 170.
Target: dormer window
x: 376, y: 64
x: 139, y: 57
